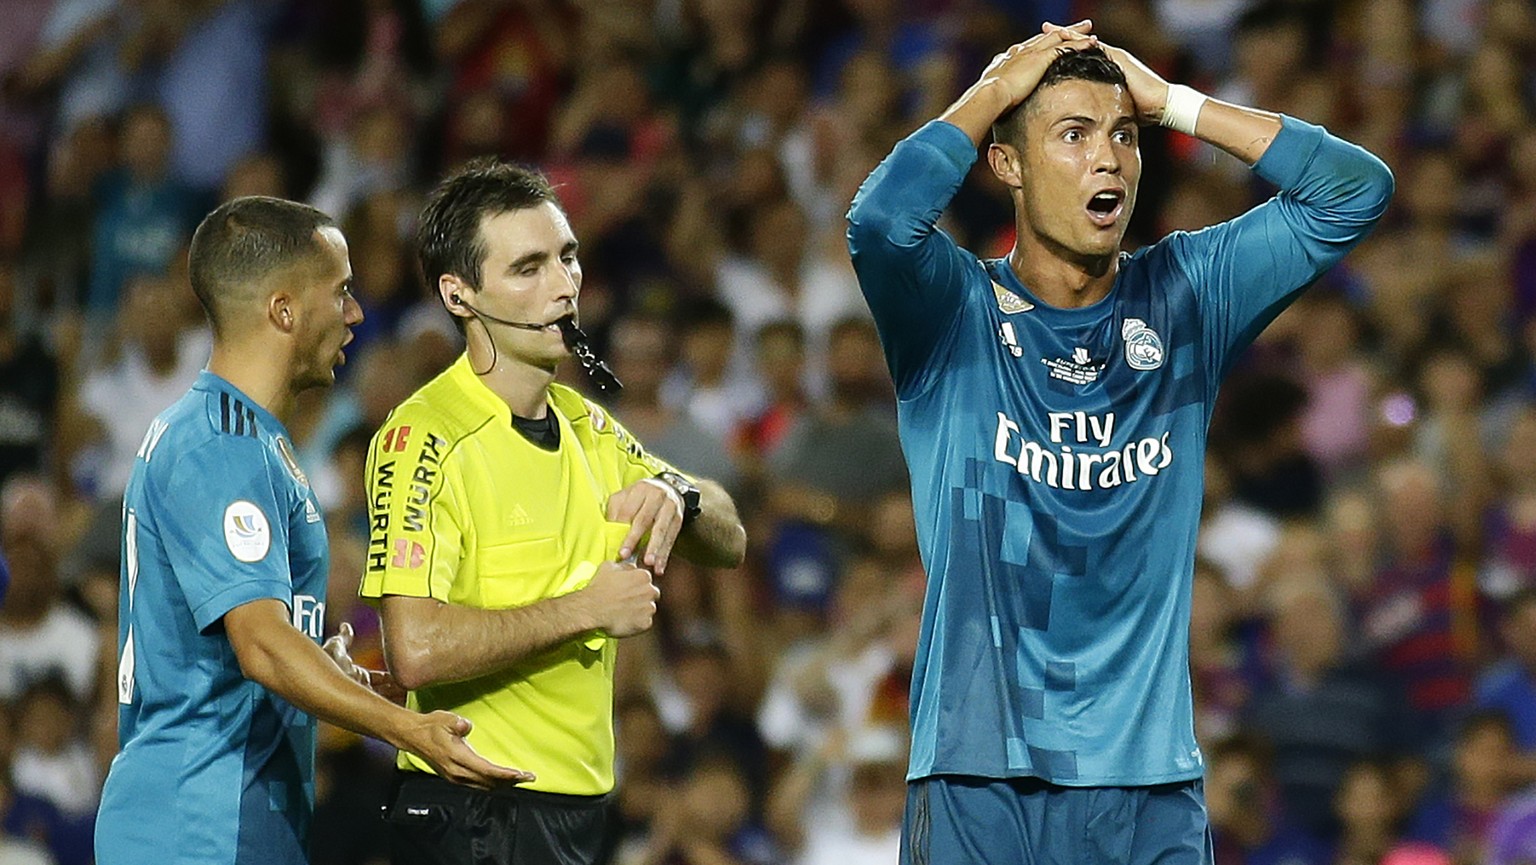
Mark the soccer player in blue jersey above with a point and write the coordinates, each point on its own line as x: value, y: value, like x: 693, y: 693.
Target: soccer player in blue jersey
x: 221, y: 673
x: 1053, y: 408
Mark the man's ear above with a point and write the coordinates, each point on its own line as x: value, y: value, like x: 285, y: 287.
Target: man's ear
x: 453, y: 292
x: 1006, y: 164
x: 280, y: 311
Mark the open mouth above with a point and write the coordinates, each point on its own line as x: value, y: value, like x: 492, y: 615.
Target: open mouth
x: 1105, y: 206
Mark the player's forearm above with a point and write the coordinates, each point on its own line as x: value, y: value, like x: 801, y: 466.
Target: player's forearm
x: 1243, y: 132
x: 427, y: 642
x: 289, y: 664
x: 978, y: 108
x: 716, y: 539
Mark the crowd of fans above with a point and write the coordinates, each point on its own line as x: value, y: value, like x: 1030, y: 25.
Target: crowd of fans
x: 1364, y: 638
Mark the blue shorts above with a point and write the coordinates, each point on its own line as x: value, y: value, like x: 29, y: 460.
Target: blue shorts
x: 960, y: 820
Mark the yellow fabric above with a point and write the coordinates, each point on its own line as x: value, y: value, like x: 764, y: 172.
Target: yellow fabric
x: 464, y: 509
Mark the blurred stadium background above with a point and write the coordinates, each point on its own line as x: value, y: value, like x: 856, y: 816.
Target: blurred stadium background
x: 1364, y: 645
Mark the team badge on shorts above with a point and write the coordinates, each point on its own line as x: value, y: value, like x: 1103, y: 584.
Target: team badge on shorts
x: 1143, y: 347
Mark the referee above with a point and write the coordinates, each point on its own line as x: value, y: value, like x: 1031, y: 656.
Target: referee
x: 515, y: 527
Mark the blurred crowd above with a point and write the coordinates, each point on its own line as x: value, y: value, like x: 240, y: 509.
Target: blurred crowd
x: 1364, y: 635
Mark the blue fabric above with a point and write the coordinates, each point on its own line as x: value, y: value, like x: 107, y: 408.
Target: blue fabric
x: 1057, y: 457
x: 979, y: 821
x: 212, y: 767
x: 139, y: 228
x: 1509, y: 688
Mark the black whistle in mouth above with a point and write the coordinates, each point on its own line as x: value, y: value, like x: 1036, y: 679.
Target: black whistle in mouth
x: 576, y: 340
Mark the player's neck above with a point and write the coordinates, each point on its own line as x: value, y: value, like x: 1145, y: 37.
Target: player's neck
x: 267, y: 383
x: 1059, y: 278
x: 522, y: 386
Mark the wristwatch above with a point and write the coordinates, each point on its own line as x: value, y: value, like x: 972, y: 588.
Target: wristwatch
x: 686, y: 491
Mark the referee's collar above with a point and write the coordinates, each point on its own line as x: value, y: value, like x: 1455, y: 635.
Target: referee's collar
x: 487, y: 403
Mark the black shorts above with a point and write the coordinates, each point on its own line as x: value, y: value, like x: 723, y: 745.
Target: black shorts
x: 433, y: 822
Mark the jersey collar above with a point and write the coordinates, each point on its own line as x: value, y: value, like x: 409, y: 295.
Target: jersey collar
x: 215, y: 383
x: 488, y: 404
x: 1002, y: 272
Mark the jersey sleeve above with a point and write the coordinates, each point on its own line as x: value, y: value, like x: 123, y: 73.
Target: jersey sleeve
x: 634, y: 461
x: 414, y: 528
x: 1247, y: 270
x: 224, y: 527
x: 910, y: 271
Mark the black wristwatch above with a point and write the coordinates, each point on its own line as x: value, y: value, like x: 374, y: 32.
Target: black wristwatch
x: 686, y: 491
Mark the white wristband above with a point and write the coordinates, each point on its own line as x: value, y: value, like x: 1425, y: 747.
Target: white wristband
x: 1182, y: 109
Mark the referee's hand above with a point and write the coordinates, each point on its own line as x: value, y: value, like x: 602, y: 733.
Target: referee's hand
x: 621, y: 599
x: 654, y: 512
x: 438, y: 738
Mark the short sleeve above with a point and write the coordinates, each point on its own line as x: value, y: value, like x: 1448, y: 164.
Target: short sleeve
x: 635, y: 462
x: 414, y: 531
x: 223, y: 527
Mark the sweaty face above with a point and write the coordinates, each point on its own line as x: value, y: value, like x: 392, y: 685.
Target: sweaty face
x: 1079, y: 167
x: 327, y: 311
x: 530, y: 274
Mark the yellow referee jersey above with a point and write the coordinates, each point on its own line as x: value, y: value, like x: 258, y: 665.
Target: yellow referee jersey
x: 466, y: 510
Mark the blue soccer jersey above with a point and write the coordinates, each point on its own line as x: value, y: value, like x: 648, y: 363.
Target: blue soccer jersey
x: 213, y: 768
x: 1056, y: 456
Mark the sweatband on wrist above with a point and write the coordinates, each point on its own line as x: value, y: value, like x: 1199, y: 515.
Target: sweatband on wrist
x: 1182, y: 109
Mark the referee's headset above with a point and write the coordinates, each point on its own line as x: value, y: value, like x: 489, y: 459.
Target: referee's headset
x: 575, y: 339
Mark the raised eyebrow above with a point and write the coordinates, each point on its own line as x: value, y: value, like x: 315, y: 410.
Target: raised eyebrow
x: 1078, y: 119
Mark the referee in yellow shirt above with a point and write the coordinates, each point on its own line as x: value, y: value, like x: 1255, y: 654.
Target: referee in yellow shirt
x: 504, y: 506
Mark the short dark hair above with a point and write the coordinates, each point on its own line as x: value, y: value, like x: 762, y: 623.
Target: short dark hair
x: 448, y: 237
x: 1089, y: 64
x: 245, y: 240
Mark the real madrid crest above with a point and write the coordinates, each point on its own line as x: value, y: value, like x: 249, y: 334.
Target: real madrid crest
x: 285, y: 450
x: 1143, y: 347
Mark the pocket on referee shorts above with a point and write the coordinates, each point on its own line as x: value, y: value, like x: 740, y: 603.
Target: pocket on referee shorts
x: 518, y: 573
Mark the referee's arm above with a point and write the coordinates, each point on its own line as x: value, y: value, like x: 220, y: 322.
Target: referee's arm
x: 427, y: 641
x: 716, y: 539
x: 655, y: 513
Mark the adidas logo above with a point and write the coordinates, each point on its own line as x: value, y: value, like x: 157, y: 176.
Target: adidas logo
x: 518, y: 517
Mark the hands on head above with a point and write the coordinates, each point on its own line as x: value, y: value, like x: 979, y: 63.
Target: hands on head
x: 1020, y: 68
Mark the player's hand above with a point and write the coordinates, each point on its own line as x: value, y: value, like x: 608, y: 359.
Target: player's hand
x: 1149, y: 91
x: 1020, y: 68
x: 339, y: 647
x: 438, y: 738
x: 650, y: 507
x: 622, y: 598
